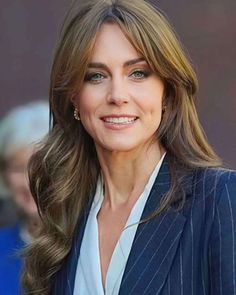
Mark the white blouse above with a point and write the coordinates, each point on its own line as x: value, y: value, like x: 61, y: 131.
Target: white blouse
x: 88, y: 279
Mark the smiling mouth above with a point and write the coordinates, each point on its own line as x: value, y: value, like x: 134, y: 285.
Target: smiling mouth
x: 120, y: 120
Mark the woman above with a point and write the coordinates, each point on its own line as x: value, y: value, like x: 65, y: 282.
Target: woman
x: 20, y: 130
x: 125, y: 185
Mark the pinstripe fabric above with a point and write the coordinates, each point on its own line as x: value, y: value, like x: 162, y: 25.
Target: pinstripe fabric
x: 192, y: 252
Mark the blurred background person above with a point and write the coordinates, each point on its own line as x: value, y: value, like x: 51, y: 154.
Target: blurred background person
x: 20, y: 130
x: 8, y: 214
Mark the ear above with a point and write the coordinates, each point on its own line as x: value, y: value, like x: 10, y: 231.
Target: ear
x: 74, y: 100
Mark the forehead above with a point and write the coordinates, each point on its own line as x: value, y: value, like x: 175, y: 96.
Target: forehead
x: 112, y: 43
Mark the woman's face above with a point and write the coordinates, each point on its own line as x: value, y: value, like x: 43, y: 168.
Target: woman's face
x: 120, y: 103
x: 16, y: 175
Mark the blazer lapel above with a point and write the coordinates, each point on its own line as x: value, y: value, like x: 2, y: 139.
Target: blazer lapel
x: 154, y: 245
x: 65, y: 279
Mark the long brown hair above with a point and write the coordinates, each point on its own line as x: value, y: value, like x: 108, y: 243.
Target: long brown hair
x: 64, y: 172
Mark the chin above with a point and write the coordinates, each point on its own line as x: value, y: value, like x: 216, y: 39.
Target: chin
x: 121, y: 147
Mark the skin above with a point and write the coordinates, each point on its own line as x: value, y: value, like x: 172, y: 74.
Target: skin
x: 120, y: 84
x: 16, y: 176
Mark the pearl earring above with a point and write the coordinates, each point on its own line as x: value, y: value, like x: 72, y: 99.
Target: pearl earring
x: 76, y: 114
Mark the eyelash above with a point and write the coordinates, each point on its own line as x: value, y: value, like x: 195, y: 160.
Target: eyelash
x: 91, y: 77
x: 144, y: 73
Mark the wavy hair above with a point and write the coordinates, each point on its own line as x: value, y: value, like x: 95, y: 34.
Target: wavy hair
x: 64, y: 172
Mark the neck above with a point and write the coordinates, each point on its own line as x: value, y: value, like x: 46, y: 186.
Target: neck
x: 125, y: 174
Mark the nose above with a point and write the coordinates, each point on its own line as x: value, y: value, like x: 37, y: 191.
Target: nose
x: 118, y: 93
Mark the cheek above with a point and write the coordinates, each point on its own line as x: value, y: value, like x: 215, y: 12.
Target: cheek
x: 151, y: 106
x: 87, y: 103
x: 91, y: 96
x: 157, y: 102
x: 84, y: 103
x: 87, y: 106
x: 151, y: 97
x: 90, y: 105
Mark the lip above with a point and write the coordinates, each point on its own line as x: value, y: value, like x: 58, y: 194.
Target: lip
x: 118, y: 116
x: 117, y: 125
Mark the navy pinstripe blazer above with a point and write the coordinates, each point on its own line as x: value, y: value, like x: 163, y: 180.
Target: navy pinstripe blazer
x: 192, y: 252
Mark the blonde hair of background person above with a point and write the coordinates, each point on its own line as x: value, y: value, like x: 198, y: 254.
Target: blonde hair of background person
x: 65, y: 171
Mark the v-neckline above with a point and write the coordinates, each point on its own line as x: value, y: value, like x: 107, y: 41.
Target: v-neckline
x: 89, y: 264
x: 119, y: 256
x: 122, y: 248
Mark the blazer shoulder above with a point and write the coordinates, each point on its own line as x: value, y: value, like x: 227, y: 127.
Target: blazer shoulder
x: 215, y: 180
x: 222, y: 175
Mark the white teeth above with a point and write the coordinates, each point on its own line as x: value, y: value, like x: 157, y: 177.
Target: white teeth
x: 120, y: 120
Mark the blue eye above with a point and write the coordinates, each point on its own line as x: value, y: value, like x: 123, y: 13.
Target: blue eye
x: 94, y: 77
x: 140, y: 74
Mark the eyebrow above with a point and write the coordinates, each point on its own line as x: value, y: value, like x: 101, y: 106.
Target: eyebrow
x: 126, y: 64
